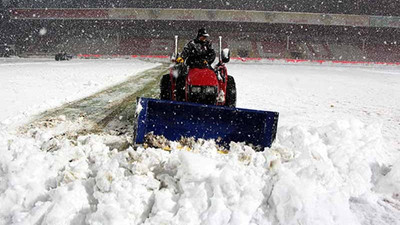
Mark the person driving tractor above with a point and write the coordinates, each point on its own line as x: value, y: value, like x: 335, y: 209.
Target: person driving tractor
x: 198, y: 53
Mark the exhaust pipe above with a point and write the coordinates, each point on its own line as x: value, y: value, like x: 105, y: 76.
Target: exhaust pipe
x: 176, y: 46
x: 220, y: 48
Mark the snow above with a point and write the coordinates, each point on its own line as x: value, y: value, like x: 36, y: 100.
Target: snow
x: 29, y: 86
x: 335, y: 160
x: 317, y: 95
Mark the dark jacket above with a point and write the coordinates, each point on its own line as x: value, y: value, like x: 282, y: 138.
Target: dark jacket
x: 196, y: 51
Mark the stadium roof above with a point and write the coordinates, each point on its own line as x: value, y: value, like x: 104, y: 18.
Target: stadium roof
x: 241, y: 16
x: 357, y: 7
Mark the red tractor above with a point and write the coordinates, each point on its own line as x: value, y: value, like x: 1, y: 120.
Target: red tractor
x: 200, y: 85
x: 216, y: 117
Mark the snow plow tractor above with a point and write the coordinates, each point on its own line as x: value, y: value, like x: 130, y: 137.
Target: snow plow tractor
x: 200, y: 85
x: 61, y: 56
x: 200, y: 103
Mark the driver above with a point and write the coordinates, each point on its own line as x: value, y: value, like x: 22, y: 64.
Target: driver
x: 198, y: 53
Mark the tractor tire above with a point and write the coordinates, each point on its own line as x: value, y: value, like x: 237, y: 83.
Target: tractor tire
x: 165, y: 88
x: 230, y: 98
x: 180, y: 88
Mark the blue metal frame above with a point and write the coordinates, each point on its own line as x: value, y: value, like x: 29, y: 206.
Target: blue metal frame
x: 181, y: 119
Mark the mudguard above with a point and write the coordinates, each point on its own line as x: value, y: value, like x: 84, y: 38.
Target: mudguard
x: 174, y: 120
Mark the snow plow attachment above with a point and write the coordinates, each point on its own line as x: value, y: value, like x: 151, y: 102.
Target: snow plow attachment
x: 175, y: 120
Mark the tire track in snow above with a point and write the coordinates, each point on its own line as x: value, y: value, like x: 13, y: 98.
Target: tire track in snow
x: 111, y: 110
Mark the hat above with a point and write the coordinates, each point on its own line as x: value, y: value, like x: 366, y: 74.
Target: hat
x: 202, y: 32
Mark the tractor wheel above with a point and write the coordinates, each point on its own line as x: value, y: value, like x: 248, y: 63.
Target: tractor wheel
x: 165, y: 88
x: 180, y: 88
x: 230, y: 98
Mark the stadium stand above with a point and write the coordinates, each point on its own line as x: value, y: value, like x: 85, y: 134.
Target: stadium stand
x: 300, y: 38
x: 383, y: 52
x: 273, y: 49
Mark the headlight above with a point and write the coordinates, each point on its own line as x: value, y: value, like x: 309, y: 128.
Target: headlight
x: 210, y: 90
x: 196, y: 89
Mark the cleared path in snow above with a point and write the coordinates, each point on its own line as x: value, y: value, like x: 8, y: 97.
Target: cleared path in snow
x: 111, y: 110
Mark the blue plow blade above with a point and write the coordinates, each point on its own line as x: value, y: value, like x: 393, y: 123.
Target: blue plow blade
x: 174, y: 120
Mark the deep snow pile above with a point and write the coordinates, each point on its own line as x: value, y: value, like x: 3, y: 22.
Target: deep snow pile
x: 335, y: 161
x: 309, y: 176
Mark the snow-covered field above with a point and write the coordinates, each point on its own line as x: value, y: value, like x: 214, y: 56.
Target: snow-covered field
x: 29, y: 86
x: 308, y: 95
x: 335, y: 161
